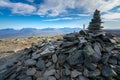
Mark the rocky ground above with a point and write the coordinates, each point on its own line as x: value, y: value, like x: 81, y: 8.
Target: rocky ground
x: 78, y: 56
x: 11, y: 46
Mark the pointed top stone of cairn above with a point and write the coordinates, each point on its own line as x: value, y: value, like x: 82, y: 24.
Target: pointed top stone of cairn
x: 95, y: 24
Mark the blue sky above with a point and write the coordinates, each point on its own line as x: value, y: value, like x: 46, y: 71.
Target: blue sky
x: 39, y: 14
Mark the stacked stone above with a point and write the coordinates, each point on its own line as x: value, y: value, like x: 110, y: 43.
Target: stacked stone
x: 78, y: 56
x: 95, y: 24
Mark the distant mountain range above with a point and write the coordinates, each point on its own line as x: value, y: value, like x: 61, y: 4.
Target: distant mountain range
x: 29, y: 32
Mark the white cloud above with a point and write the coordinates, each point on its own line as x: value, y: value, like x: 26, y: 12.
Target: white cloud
x: 65, y: 18
x: 19, y: 8
x: 57, y: 7
x: 83, y: 14
x: 118, y: 9
x: 104, y: 6
x: 111, y: 16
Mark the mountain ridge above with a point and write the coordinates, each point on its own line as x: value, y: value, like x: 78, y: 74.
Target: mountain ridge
x: 30, y: 32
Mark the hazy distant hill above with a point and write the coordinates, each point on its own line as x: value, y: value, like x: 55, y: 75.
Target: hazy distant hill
x: 28, y: 32
x: 115, y: 32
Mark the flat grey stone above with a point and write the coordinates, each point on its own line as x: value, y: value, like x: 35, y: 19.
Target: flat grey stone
x: 3, y: 68
x: 54, y: 58
x: 30, y: 62
x: 82, y: 78
x: 51, y: 78
x: 108, y: 72
x: 118, y: 63
x: 90, y: 66
x: 97, y: 55
x: 117, y: 69
x: 25, y: 78
x: 48, y: 64
x: 38, y: 74
x: 119, y: 57
x: 112, y: 61
x: 75, y: 57
x: 40, y: 64
x: 70, y: 37
x: 49, y: 73
x: 67, y: 71
x: 88, y: 50
x: 97, y: 34
x: 42, y: 78
x: 69, y: 44
x: 49, y: 49
x: 94, y: 73
x: 112, y: 41
x: 75, y: 73
x: 31, y: 71
x: 36, y: 56
x: 61, y: 59
x: 65, y: 78
x: 105, y: 58
x: 82, y: 39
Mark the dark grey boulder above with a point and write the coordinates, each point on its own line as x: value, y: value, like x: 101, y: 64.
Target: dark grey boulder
x: 83, y: 78
x: 108, y: 72
x: 70, y: 37
x: 82, y: 40
x: 40, y: 64
x: 113, y: 61
x: 117, y: 69
x: 94, y: 73
x: 61, y: 59
x: 67, y: 71
x: 75, y: 73
x: 119, y: 57
x: 69, y: 44
x: 31, y: 71
x: 118, y: 63
x: 97, y: 55
x: 30, y: 62
x: 90, y: 66
x: 75, y: 57
x: 25, y: 77
x: 88, y: 50
x: 105, y: 58
x: 49, y: 73
x: 65, y: 78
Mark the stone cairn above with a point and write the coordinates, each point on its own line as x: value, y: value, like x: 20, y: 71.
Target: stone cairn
x: 88, y: 55
x: 95, y: 23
